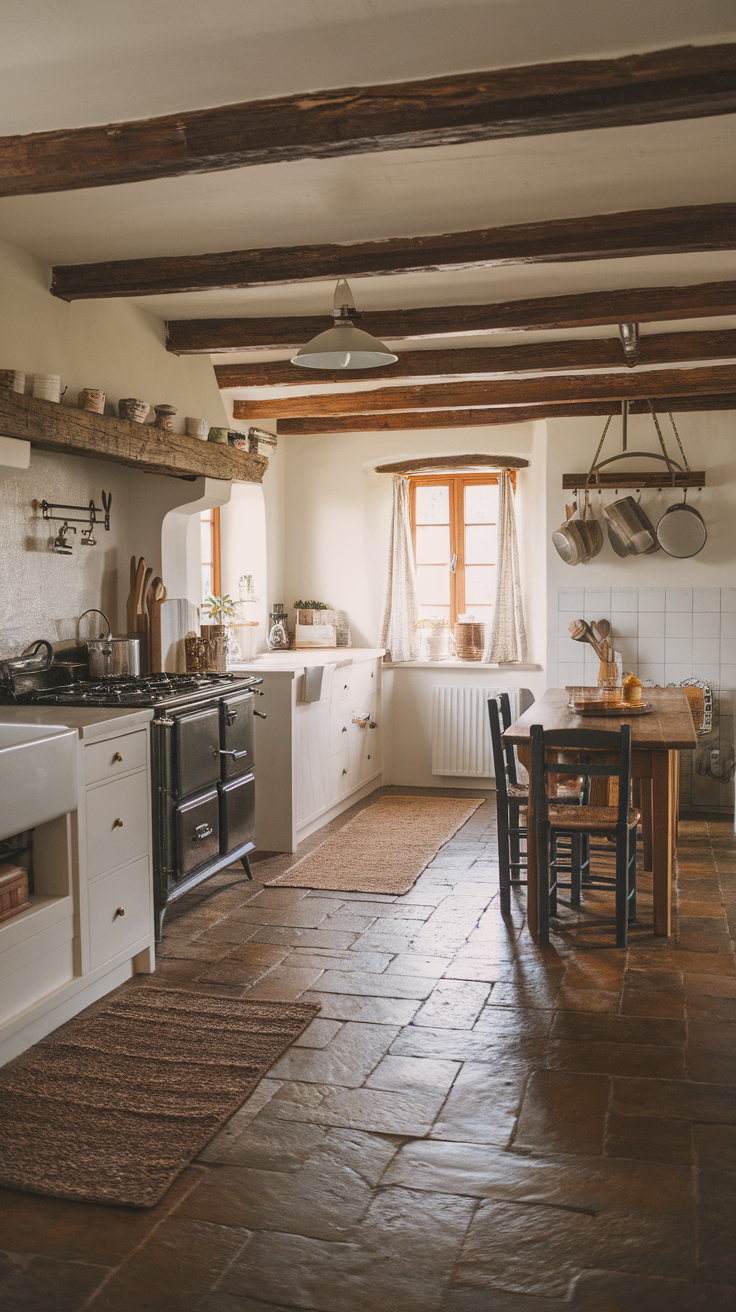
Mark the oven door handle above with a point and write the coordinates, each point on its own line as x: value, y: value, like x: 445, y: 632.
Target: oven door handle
x: 202, y: 832
x: 261, y: 715
x: 237, y: 756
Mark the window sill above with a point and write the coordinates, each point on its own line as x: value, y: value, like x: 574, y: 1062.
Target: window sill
x: 456, y: 665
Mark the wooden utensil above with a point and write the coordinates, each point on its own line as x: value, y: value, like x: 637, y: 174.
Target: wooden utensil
x: 581, y: 632
x: 600, y: 629
x: 156, y: 597
x: 130, y: 610
x: 139, y: 578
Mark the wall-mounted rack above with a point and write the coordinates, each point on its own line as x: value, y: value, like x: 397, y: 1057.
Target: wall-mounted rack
x: 90, y: 516
x: 661, y: 480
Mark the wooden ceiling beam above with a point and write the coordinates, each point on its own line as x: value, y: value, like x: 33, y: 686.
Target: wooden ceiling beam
x: 628, y: 234
x: 570, y: 353
x: 502, y: 415
x: 579, y: 310
x: 554, y: 388
x: 682, y: 83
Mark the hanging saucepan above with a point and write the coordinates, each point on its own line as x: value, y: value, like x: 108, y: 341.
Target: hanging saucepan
x: 632, y: 526
x: 681, y: 531
x: 568, y: 543
x: 590, y: 531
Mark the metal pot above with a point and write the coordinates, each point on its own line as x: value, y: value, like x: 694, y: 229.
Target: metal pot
x: 632, y: 526
x: 681, y: 531
x: 568, y: 543
x: 109, y: 657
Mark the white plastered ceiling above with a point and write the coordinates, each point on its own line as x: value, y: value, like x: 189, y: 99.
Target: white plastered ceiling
x: 78, y: 62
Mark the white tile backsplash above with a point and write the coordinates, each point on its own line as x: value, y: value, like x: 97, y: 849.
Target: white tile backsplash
x: 651, y: 599
x: 706, y: 599
x: 664, y: 634
x: 679, y: 599
x: 678, y: 624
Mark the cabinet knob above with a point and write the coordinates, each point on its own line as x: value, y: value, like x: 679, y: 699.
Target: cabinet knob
x: 344, y: 771
x: 120, y: 912
x: 344, y: 728
x: 117, y: 824
x: 117, y: 757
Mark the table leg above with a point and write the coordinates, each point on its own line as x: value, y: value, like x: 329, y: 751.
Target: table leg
x: 646, y: 820
x: 524, y: 756
x: 662, y: 838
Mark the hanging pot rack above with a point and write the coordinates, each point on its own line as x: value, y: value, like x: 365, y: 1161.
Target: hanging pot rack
x: 677, y: 475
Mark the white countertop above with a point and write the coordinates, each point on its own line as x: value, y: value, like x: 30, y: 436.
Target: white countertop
x: 90, y: 721
x: 288, y: 662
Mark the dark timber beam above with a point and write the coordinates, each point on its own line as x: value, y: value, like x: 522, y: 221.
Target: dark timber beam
x: 498, y: 392
x: 593, y: 237
x: 501, y: 415
x: 594, y: 353
x: 580, y: 310
x: 686, y: 82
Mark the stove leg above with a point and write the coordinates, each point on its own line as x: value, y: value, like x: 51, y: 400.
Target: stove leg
x: 246, y: 866
x: 160, y: 924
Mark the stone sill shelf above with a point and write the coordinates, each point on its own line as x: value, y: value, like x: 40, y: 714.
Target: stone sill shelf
x: 456, y: 665
x: 52, y: 426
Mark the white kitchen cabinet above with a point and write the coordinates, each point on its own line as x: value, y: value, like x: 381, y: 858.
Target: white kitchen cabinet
x: 90, y: 925
x: 314, y: 759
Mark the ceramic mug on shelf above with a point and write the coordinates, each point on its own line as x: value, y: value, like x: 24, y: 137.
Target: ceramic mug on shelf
x: 165, y: 417
x: 47, y: 387
x: 218, y: 435
x: 130, y: 408
x: 197, y: 428
x: 91, y: 398
x: 15, y: 379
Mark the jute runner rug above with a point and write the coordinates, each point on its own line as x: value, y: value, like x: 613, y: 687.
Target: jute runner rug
x: 110, y: 1108
x: 384, y: 848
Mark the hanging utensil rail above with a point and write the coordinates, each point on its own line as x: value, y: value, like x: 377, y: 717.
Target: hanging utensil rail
x: 90, y: 517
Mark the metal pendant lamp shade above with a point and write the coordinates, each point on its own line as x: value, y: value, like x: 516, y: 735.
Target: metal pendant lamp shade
x: 344, y: 346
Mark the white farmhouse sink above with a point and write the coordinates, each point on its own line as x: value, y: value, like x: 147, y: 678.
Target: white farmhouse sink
x: 38, y: 775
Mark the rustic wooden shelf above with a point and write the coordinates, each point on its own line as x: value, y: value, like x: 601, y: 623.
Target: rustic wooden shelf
x: 54, y: 427
x: 575, y: 482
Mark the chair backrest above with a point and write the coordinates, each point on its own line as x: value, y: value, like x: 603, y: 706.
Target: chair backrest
x: 588, y: 752
x: 504, y: 761
x: 504, y: 703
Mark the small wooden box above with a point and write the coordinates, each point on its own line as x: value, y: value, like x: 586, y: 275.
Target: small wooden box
x: 13, y: 891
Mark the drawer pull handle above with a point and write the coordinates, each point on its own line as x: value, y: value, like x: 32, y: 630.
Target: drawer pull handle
x: 237, y: 756
x: 201, y: 832
x: 117, y: 824
x: 117, y: 757
x: 344, y: 728
x: 231, y: 717
x: 372, y: 725
x: 120, y: 912
x: 344, y: 771
x: 261, y: 715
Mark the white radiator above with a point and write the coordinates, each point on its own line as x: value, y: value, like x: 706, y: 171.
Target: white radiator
x: 461, y: 737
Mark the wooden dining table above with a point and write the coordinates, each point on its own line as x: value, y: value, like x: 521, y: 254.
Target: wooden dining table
x: 656, y: 741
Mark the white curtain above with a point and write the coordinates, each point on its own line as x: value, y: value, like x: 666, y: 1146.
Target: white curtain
x: 398, y: 635
x: 506, y: 637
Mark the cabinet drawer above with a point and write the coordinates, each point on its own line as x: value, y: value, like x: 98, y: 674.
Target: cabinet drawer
x: 341, y: 774
x: 117, y: 822
x: 365, y: 757
x: 119, y: 911
x: 363, y: 679
x: 341, y: 721
x: 115, y: 756
x: 341, y: 685
x: 362, y: 712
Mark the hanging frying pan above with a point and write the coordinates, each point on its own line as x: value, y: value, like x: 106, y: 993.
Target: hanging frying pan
x: 681, y: 531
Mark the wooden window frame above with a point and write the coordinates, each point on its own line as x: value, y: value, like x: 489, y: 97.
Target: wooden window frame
x: 457, y: 484
x: 216, y: 558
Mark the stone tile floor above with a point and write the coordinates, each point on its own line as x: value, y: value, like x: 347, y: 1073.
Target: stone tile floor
x: 470, y: 1125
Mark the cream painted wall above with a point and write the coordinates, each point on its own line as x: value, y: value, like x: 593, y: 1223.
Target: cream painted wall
x: 121, y: 348
x: 337, y: 516
x: 709, y: 444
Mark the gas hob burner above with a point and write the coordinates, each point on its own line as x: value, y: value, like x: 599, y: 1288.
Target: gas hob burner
x: 145, y: 690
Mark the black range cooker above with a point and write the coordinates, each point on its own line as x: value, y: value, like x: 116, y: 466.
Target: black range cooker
x: 202, y: 766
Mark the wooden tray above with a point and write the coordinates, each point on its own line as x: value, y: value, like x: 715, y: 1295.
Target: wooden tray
x: 598, y: 708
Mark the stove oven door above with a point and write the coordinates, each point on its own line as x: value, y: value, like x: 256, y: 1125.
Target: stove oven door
x: 197, y: 750
x: 197, y: 831
x: 237, y: 735
x: 237, y: 813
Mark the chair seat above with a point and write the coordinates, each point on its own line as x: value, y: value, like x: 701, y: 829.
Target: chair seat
x: 520, y: 792
x: 589, y: 819
x: 571, y: 791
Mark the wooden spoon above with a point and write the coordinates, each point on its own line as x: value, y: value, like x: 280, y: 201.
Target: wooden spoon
x: 600, y: 629
x: 581, y: 632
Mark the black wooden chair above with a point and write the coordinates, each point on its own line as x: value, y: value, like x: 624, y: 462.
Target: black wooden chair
x: 512, y: 798
x: 584, y: 752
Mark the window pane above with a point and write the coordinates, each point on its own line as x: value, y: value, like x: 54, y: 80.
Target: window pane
x: 481, y: 503
x: 480, y: 585
x: 433, y: 612
x: 206, y: 539
x: 480, y: 544
x: 433, y: 505
x: 433, y: 585
x: 433, y: 545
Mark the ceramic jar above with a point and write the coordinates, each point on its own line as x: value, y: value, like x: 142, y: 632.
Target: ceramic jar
x: 165, y: 417
x: 91, y: 398
x: 47, y: 387
x: 130, y: 408
x: 197, y: 428
x: 15, y: 379
x: 218, y: 435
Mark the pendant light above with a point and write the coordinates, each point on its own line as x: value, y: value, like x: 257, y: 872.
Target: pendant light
x: 343, y: 346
